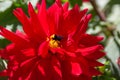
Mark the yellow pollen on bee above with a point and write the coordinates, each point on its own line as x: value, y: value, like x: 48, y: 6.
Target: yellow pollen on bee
x: 36, y: 11
x: 53, y: 43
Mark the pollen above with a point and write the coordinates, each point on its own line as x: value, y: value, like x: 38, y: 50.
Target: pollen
x: 54, y: 41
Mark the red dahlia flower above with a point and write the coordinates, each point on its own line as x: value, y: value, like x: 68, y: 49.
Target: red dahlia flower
x: 54, y: 45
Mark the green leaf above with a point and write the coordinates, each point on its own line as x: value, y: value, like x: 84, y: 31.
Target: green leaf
x: 118, y: 34
x: 4, y: 43
x: 49, y: 2
x: 73, y: 2
x: 3, y: 78
x: 111, y: 3
x: 7, y: 17
x: 112, y: 49
x: 64, y: 1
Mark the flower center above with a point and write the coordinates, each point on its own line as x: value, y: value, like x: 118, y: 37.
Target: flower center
x: 54, y: 41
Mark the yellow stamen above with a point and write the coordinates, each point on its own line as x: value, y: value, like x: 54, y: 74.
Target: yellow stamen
x: 36, y: 11
x: 54, y: 43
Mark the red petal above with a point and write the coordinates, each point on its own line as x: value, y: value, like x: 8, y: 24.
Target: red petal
x: 76, y: 69
x: 68, y: 21
x: 13, y: 37
x: 57, y: 70
x: 90, y: 50
x: 4, y: 73
x: 51, y: 18
x: 54, y: 16
x: 81, y: 24
x: 28, y: 52
x: 94, y: 63
x: 27, y: 67
x: 87, y: 40
x: 94, y: 72
x: 41, y: 69
x: 65, y: 6
x: 25, y: 21
x: 42, y: 15
x: 35, y: 22
x: 84, y: 28
x: 43, y: 49
x: 96, y: 55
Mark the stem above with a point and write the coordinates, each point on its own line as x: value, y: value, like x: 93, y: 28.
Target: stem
x: 103, y: 18
x: 100, y: 13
